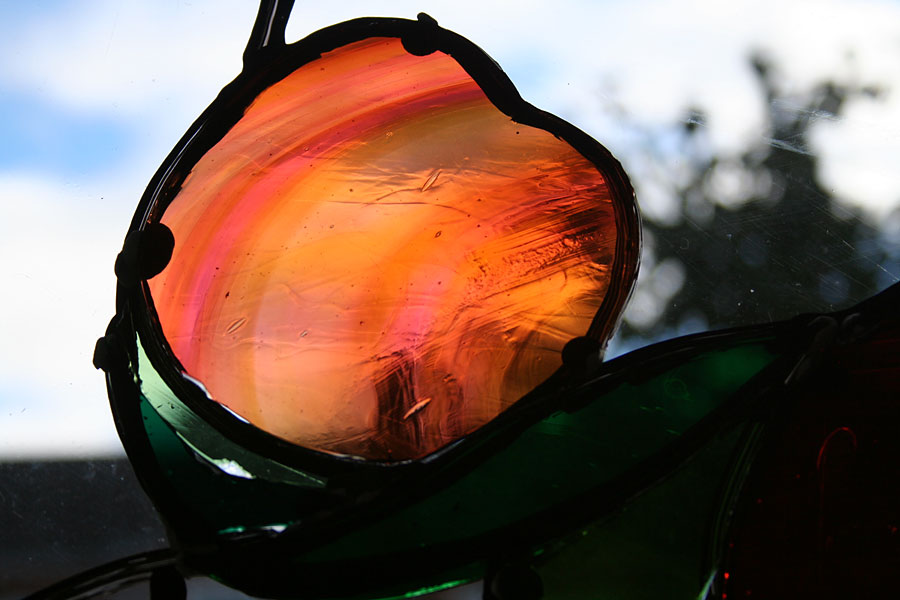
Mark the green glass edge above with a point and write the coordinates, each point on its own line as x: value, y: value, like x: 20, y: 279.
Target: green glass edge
x: 232, y: 459
x: 556, y: 459
x: 562, y: 456
x: 223, y: 503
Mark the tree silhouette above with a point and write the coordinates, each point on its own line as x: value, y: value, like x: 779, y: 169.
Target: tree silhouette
x: 759, y: 238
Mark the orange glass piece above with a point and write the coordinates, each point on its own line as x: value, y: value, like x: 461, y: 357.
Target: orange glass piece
x: 376, y: 261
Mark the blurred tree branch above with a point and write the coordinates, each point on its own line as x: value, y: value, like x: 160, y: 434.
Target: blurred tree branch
x: 755, y: 237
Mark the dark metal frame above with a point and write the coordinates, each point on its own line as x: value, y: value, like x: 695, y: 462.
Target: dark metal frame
x: 268, y: 60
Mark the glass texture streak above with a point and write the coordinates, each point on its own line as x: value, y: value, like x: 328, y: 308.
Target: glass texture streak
x: 376, y: 261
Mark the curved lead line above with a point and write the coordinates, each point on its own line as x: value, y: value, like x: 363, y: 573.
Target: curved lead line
x: 109, y: 577
x: 268, y: 29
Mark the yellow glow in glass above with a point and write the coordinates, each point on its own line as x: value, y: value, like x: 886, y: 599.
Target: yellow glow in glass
x: 376, y: 261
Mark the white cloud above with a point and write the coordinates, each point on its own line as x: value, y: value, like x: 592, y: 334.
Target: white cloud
x: 166, y: 61
x: 859, y: 154
x: 57, y: 246
x: 128, y: 57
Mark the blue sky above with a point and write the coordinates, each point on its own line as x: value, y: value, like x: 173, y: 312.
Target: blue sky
x: 46, y: 135
x: 93, y: 95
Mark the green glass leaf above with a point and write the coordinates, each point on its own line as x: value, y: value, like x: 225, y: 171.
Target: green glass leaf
x: 657, y: 545
x: 624, y: 431
x: 565, y: 455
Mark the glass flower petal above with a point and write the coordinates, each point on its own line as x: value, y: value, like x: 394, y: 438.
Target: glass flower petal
x: 376, y: 261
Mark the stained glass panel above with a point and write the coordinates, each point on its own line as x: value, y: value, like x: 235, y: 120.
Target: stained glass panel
x: 375, y: 260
